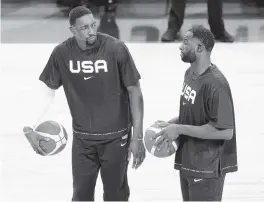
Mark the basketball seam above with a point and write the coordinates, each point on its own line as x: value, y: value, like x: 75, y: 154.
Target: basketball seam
x: 52, y: 125
x: 59, y: 132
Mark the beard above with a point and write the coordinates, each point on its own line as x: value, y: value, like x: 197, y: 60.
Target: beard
x: 91, y: 40
x: 188, y: 57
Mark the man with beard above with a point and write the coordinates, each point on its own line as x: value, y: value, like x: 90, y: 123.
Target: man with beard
x: 205, y: 126
x: 101, y: 84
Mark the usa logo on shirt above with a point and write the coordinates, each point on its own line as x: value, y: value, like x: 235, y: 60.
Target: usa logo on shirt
x: 188, y: 93
x: 88, y: 67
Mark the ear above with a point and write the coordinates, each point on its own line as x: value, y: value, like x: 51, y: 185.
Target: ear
x: 71, y: 28
x: 200, y: 48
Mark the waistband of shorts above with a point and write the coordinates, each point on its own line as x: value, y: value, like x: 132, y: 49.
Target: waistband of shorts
x: 196, y: 173
x: 203, y: 173
x: 89, y: 135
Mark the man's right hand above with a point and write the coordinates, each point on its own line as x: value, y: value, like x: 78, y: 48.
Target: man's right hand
x: 33, y: 137
x: 162, y: 124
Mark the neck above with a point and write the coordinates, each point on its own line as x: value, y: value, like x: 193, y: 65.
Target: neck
x: 201, y: 65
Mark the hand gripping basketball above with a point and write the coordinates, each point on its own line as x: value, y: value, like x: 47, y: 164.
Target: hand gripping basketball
x: 34, y: 138
x: 167, y: 149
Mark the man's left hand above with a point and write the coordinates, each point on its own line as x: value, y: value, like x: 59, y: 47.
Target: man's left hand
x: 168, y: 134
x: 137, y: 148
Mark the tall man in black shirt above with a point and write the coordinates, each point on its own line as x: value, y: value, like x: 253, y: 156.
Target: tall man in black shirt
x: 101, y: 84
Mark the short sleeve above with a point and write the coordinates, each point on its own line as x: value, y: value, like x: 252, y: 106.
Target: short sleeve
x: 128, y: 70
x: 221, y: 109
x: 51, y: 75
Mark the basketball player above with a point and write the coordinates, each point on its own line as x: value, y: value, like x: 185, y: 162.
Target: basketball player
x: 205, y: 126
x: 101, y: 84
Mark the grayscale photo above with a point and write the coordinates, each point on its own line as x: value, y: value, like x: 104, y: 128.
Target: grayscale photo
x: 132, y: 100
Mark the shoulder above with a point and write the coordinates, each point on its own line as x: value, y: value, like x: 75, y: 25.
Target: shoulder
x: 113, y: 43
x: 219, y: 81
x: 63, y: 46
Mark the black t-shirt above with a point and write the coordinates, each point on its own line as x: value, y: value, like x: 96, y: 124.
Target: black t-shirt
x: 206, y: 99
x: 94, y: 82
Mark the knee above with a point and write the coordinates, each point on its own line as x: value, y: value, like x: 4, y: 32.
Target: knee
x: 83, y: 193
x: 83, y: 190
x: 121, y: 194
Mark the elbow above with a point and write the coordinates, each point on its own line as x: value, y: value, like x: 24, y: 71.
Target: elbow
x: 135, y: 93
x: 137, y: 100
x: 140, y: 97
x: 136, y: 96
x: 229, y: 137
x: 229, y: 134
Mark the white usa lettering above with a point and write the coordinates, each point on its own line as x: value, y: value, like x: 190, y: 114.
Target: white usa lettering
x: 188, y: 93
x: 88, y: 66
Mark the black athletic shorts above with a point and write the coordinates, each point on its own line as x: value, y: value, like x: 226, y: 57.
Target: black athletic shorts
x: 201, y: 189
x: 110, y: 157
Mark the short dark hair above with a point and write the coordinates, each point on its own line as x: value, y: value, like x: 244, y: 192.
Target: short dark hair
x: 204, y: 35
x: 78, y: 12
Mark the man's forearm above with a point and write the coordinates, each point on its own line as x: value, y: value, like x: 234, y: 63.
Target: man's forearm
x: 43, y: 101
x: 174, y: 120
x: 205, y: 132
x: 137, y: 110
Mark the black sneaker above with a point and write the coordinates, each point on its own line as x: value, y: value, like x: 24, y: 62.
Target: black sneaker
x: 170, y: 35
x: 225, y: 37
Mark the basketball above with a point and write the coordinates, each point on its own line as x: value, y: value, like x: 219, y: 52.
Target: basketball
x: 57, y: 134
x: 151, y: 148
